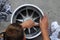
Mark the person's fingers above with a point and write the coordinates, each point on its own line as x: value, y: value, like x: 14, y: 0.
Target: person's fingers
x: 45, y: 14
x: 40, y: 20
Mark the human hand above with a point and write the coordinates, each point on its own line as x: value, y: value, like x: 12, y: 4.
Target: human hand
x: 43, y: 22
x: 28, y: 24
x: 44, y: 27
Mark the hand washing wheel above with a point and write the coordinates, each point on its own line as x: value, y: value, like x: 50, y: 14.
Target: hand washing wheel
x: 25, y: 12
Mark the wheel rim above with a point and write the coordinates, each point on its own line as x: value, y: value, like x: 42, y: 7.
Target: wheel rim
x: 25, y: 12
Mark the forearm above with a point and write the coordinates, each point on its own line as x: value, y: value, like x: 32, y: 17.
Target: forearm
x: 45, y: 34
x: 22, y: 25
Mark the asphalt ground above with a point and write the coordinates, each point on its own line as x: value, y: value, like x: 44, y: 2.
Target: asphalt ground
x: 50, y: 7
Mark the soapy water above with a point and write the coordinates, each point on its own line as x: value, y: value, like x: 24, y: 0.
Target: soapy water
x: 55, y: 28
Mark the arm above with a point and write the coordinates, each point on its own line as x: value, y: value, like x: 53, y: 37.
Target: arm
x: 44, y: 28
x: 28, y: 24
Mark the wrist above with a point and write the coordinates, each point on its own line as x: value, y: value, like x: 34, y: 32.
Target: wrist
x: 22, y: 25
x: 42, y: 27
x: 45, y: 34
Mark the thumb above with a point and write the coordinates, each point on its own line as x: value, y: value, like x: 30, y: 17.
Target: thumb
x: 40, y: 20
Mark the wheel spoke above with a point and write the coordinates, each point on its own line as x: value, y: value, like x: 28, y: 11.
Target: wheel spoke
x: 21, y: 20
x: 36, y: 23
x: 24, y: 29
x: 35, y: 18
x: 22, y: 15
x: 34, y: 28
x: 32, y: 14
x: 27, y: 12
x: 29, y: 30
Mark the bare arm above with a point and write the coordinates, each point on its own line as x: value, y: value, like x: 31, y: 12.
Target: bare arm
x: 44, y: 28
x: 28, y: 24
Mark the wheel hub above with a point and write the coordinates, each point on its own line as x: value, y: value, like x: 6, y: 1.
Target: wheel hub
x: 27, y: 18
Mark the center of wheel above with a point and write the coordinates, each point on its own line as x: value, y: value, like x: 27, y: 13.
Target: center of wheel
x: 27, y: 18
